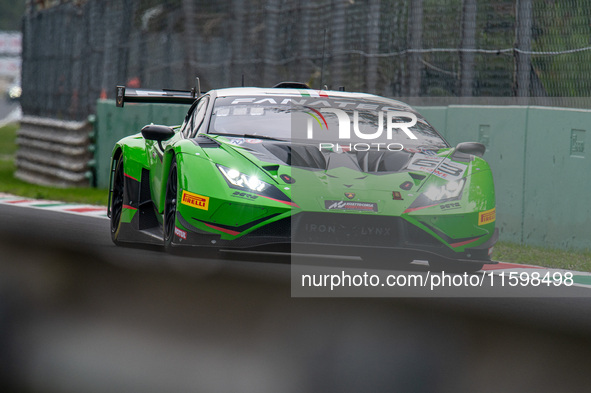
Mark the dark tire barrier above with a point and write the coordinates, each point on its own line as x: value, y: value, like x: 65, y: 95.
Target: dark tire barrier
x: 54, y: 152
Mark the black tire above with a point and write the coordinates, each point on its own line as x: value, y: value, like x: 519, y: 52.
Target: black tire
x: 170, y: 206
x: 117, y: 201
x: 455, y: 266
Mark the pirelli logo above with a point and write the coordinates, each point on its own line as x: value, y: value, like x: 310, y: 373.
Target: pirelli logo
x: 487, y: 217
x: 195, y: 200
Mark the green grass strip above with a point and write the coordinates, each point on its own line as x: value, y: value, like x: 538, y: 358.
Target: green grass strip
x: 8, y: 140
x: 540, y: 256
x: 10, y: 185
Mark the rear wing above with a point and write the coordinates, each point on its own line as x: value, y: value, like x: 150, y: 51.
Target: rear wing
x: 165, y: 96
x: 124, y: 94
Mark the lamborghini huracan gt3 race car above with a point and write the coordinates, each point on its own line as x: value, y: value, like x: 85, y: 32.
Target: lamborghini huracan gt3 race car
x: 300, y: 170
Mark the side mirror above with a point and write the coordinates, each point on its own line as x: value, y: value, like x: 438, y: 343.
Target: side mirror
x: 157, y: 133
x: 474, y: 148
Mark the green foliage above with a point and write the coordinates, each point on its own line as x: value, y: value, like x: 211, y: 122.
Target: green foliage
x: 11, y: 12
x: 8, y: 140
x: 560, y: 26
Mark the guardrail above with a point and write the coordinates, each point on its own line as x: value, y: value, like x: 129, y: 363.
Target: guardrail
x: 55, y: 152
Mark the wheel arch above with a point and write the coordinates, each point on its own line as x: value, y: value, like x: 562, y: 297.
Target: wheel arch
x: 117, y: 154
x: 115, y: 157
x: 169, y: 155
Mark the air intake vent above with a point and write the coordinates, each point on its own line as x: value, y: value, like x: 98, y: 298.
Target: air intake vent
x: 291, y: 85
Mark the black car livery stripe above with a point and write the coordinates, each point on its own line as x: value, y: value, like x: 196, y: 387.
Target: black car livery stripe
x: 229, y: 229
x: 132, y: 191
x: 454, y: 242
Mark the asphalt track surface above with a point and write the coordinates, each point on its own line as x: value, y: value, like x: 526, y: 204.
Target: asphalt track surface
x: 234, y: 319
x: 38, y: 229
x: 6, y: 107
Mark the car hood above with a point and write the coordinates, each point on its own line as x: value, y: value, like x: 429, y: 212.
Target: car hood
x: 379, y: 167
x: 316, y: 180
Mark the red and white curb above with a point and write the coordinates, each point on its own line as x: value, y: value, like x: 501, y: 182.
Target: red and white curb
x: 72, y: 208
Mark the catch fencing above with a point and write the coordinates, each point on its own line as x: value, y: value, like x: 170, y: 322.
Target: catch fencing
x: 77, y: 51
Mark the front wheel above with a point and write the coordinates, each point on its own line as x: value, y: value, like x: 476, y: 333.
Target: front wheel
x: 117, y: 201
x: 170, y: 206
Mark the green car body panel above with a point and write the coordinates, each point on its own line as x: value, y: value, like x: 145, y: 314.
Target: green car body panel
x: 211, y: 211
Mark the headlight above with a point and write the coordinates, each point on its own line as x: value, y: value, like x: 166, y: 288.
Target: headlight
x: 242, y: 180
x: 449, y: 190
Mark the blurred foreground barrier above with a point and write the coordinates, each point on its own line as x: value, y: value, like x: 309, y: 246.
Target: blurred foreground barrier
x: 78, y: 314
x: 54, y: 152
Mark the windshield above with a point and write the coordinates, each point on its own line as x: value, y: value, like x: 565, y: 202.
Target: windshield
x: 323, y: 120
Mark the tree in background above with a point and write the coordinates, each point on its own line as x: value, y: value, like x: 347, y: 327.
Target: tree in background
x: 562, y: 26
x: 11, y: 12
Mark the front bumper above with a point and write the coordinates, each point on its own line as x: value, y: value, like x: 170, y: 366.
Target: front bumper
x: 339, y: 234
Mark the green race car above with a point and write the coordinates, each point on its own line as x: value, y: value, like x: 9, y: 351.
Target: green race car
x: 294, y: 169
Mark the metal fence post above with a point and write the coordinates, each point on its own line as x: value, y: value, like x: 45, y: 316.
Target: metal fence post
x: 126, y: 25
x: 415, y: 67
x: 271, y: 47
x: 189, y: 41
x: 523, y: 27
x: 337, y: 45
x: 468, y: 44
x: 373, y: 45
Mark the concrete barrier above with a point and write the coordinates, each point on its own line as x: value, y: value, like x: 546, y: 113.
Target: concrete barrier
x: 540, y: 165
x: 114, y: 123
